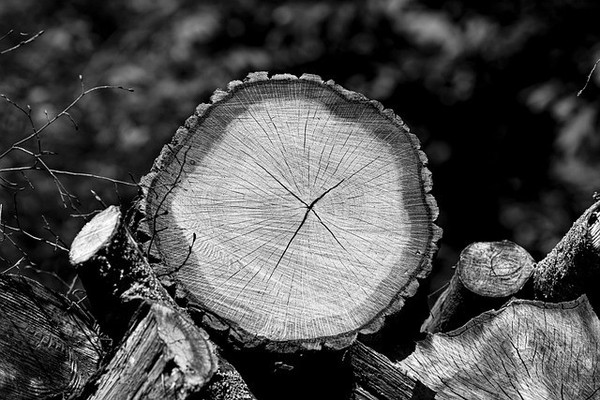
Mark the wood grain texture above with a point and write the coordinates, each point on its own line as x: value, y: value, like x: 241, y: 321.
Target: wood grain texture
x: 48, y: 348
x: 486, y: 276
x: 527, y: 350
x: 159, y: 352
x: 162, y: 357
x: 376, y: 377
x: 494, y: 269
x: 294, y: 210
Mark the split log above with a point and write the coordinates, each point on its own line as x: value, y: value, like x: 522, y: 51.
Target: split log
x: 377, y: 378
x: 48, y: 346
x: 294, y: 211
x: 572, y: 268
x: 526, y: 350
x: 486, y: 276
x: 161, y: 357
x: 161, y: 353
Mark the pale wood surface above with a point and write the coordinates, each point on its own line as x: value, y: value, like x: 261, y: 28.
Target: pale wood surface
x: 293, y: 209
x: 494, y: 269
x: 94, y: 236
x: 48, y: 348
x: 527, y: 350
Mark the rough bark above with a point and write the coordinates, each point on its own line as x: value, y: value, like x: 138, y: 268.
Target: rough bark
x: 486, y: 276
x: 160, y: 353
x: 295, y: 211
x: 572, y: 268
x: 526, y: 350
x: 48, y: 347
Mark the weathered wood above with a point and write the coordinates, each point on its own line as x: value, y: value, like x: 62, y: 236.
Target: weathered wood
x: 376, y: 377
x: 296, y: 211
x: 48, y: 347
x: 161, y: 357
x: 526, y: 350
x: 572, y: 268
x: 174, y: 359
x: 486, y: 276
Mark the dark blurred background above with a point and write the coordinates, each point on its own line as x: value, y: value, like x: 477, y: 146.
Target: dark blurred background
x: 490, y: 88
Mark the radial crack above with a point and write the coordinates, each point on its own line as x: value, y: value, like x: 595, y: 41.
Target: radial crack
x: 309, y: 208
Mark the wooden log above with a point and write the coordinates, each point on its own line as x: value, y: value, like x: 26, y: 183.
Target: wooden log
x: 377, y: 378
x: 161, y: 357
x: 486, y: 276
x: 526, y: 350
x: 48, y: 346
x: 161, y: 353
x: 295, y: 211
x: 572, y: 268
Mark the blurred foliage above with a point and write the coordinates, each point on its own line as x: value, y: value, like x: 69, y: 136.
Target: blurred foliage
x: 490, y: 88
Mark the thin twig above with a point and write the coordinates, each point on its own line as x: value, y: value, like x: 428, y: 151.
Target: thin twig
x: 589, y: 77
x: 21, y: 43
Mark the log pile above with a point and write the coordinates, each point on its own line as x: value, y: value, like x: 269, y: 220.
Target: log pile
x: 276, y: 251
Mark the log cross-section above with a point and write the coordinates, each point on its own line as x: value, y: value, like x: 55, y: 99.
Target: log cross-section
x: 294, y: 210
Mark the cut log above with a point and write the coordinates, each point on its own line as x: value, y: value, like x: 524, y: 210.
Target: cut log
x: 161, y: 353
x: 294, y: 210
x: 526, y: 350
x: 48, y: 347
x: 486, y: 276
x: 572, y: 268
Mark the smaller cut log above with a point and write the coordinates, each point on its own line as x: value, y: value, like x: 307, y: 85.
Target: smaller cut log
x: 48, y: 347
x: 161, y: 353
x: 526, y: 350
x: 572, y: 268
x: 486, y: 276
x: 378, y: 378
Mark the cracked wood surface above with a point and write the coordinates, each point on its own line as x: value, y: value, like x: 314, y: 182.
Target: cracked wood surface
x: 527, y: 350
x: 294, y: 210
x: 48, y: 348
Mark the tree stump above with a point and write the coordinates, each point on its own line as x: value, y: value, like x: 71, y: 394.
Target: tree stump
x: 526, y: 350
x: 48, y: 348
x: 293, y: 210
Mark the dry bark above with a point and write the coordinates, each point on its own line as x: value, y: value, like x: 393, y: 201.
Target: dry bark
x: 526, y: 350
x: 48, y: 347
x: 572, y: 268
x: 160, y: 353
x: 486, y: 276
x: 296, y: 212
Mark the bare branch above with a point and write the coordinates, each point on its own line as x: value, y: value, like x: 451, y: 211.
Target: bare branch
x: 589, y: 77
x: 21, y: 43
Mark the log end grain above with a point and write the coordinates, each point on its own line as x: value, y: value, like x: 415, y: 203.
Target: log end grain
x: 526, y: 350
x: 293, y: 209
